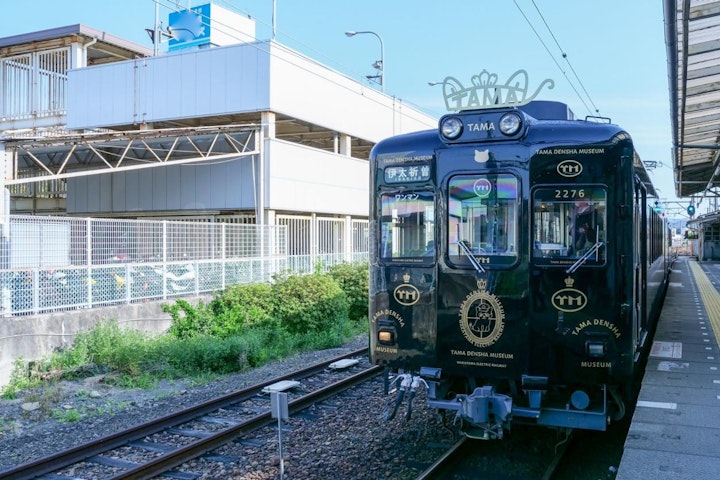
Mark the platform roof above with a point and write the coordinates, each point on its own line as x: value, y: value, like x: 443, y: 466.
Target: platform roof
x: 102, y: 47
x: 692, y: 33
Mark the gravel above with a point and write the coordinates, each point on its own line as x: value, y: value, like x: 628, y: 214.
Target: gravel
x: 346, y: 440
x: 41, y: 422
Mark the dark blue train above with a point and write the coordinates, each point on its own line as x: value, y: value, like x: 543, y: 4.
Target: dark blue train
x: 517, y: 268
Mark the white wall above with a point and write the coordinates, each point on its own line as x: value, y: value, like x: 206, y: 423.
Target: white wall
x: 305, y: 89
x: 310, y: 180
x: 251, y: 77
x: 191, y: 84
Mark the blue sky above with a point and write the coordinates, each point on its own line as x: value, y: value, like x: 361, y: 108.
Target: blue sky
x: 615, y: 49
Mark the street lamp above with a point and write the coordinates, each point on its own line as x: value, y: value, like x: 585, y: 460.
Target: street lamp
x: 378, y: 65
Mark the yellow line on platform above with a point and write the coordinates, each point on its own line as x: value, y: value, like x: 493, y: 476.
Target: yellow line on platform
x: 710, y: 297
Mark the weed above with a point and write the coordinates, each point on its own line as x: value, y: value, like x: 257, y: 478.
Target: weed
x: 243, y: 327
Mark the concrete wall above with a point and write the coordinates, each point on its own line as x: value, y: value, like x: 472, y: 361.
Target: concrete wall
x: 33, y: 337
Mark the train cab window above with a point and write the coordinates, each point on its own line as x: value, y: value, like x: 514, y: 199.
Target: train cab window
x: 407, y: 227
x: 483, y: 219
x: 569, y: 223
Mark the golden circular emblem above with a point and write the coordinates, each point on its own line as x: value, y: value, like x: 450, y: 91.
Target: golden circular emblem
x: 482, y: 318
x: 406, y: 294
x: 569, y: 300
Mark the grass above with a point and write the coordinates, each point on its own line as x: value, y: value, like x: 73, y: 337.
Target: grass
x: 134, y: 360
x: 242, y: 328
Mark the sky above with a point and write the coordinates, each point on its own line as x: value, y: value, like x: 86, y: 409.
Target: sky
x: 606, y: 57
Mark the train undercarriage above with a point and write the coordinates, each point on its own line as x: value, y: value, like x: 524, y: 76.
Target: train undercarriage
x: 489, y: 410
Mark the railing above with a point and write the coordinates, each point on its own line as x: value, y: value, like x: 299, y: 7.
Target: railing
x: 35, y: 291
x: 55, y: 264
x: 34, y: 85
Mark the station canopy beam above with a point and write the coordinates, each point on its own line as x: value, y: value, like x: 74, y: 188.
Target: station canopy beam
x: 69, y: 156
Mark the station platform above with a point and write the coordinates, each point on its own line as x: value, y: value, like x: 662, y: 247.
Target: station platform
x: 675, y: 429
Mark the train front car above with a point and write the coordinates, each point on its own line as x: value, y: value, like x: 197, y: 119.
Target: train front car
x: 508, y: 264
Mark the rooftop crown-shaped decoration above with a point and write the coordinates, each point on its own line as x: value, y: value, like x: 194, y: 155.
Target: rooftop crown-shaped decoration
x: 486, y: 92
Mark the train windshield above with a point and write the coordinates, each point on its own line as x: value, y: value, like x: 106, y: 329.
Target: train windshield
x: 407, y: 226
x: 569, y: 223
x: 483, y: 215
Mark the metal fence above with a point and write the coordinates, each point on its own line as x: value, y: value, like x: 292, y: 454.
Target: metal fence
x: 34, y: 85
x: 56, y: 263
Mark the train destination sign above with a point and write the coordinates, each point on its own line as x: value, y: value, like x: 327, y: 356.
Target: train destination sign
x: 407, y: 174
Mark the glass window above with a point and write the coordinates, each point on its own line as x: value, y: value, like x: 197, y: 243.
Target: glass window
x: 569, y: 222
x: 483, y: 215
x: 407, y: 226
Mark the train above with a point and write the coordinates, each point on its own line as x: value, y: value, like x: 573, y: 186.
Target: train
x: 518, y: 265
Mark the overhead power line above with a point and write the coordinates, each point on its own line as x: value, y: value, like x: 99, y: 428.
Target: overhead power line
x: 594, y: 110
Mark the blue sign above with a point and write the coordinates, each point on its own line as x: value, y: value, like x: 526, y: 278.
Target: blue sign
x: 190, y: 27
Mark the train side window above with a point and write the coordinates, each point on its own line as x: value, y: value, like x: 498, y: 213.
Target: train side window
x: 569, y: 222
x: 407, y: 226
x: 483, y: 214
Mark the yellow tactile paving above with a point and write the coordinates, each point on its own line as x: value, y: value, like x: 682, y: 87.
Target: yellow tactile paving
x: 710, y: 297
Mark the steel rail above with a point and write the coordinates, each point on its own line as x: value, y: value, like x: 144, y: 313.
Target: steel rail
x: 172, y: 459
x: 441, y: 464
x: 60, y: 460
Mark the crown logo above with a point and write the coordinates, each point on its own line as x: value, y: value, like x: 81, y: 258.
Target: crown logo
x: 485, y: 92
x: 482, y: 284
x: 569, y: 282
x: 406, y: 278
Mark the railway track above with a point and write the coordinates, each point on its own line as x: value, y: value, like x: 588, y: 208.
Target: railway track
x: 459, y: 460
x: 203, y: 427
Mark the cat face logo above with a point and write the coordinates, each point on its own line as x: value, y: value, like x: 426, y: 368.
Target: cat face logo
x: 482, y: 156
x: 482, y: 317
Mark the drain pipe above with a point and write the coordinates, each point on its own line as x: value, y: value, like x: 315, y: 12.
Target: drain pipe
x: 85, y: 49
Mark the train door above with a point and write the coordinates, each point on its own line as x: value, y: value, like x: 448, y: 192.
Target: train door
x: 402, y: 282
x: 482, y: 329
x: 640, y: 237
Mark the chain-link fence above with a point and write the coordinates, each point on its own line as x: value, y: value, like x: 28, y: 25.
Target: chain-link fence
x: 57, y: 263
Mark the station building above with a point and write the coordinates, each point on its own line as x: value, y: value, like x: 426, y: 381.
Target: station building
x: 224, y: 128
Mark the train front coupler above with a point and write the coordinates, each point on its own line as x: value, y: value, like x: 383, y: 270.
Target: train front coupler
x: 483, y: 414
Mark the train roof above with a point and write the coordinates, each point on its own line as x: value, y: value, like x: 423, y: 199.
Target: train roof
x: 548, y: 116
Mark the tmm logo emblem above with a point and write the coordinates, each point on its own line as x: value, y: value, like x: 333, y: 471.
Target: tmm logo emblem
x: 569, y: 299
x: 569, y: 168
x: 482, y: 187
x: 405, y: 293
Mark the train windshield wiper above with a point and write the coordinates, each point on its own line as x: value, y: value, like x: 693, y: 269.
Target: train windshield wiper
x: 592, y: 251
x: 468, y: 253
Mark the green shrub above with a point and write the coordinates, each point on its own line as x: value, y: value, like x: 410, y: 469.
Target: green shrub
x: 122, y: 350
x: 309, y: 303
x: 188, y: 321
x: 244, y: 326
x: 353, y: 279
x: 207, y: 354
x: 241, y: 307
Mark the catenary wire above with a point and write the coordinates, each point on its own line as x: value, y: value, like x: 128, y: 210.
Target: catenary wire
x: 572, y: 85
x: 564, y: 54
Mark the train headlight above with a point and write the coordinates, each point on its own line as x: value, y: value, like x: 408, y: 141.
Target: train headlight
x: 510, y: 124
x: 386, y: 337
x: 596, y: 349
x: 451, y: 128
